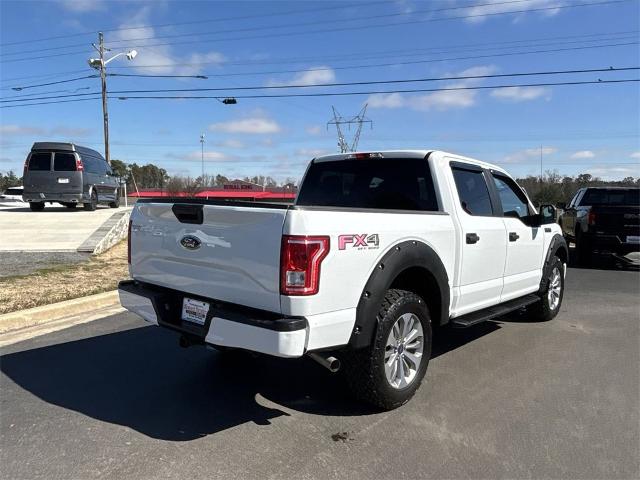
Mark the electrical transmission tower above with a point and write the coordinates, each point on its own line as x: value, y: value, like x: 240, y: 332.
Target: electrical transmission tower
x: 339, y: 120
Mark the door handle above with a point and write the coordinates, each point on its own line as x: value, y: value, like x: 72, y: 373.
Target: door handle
x: 513, y: 236
x: 472, y: 238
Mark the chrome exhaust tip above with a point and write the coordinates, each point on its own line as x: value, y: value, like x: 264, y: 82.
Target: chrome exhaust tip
x: 327, y: 361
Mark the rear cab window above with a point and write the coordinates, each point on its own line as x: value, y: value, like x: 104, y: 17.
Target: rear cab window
x: 377, y: 183
x: 64, y: 162
x: 40, y: 161
x: 472, y: 190
x: 613, y: 196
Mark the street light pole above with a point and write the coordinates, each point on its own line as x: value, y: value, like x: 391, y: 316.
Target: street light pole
x: 202, y: 153
x: 105, y: 112
x: 101, y: 64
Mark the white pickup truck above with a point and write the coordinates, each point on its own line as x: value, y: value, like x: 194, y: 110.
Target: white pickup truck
x: 378, y: 249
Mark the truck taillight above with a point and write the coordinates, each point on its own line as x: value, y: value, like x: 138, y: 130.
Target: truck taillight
x: 300, y: 259
x: 129, y: 244
x: 79, y: 165
x: 591, y: 220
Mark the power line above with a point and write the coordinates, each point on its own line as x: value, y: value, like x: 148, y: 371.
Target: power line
x: 368, y: 27
x: 354, y: 54
x: 405, y: 53
x: 269, y: 27
x: 341, y: 84
x: 412, y: 62
x: 327, y: 22
x: 175, y: 24
x: 384, y: 25
x: 342, y: 94
x: 55, y: 83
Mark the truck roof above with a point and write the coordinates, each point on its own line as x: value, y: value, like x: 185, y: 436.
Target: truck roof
x: 66, y: 147
x: 407, y: 154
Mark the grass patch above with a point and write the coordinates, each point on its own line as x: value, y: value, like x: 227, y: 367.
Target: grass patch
x: 64, y: 282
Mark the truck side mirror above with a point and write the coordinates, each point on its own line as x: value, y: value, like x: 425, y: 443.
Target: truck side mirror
x: 547, y: 214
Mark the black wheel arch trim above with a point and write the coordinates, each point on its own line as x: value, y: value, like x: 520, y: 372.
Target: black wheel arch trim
x: 558, y: 243
x: 398, y: 259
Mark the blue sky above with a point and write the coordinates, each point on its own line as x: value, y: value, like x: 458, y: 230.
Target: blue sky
x: 578, y: 129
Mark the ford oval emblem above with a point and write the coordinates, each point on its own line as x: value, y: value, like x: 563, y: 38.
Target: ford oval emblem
x: 190, y: 242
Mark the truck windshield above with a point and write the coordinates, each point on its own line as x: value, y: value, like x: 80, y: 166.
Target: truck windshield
x: 613, y: 196
x: 394, y: 184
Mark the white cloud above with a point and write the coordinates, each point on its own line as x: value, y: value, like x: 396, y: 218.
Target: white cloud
x: 20, y: 130
x: 197, y: 155
x: 313, y: 129
x: 312, y: 152
x: 313, y: 76
x: 583, y: 154
x: 82, y: 6
x: 529, y: 153
x: 521, y: 94
x: 635, y: 155
x: 25, y: 130
x: 441, y: 100
x: 613, y: 173
x: 159, y: 59
x: 497, y: 6
x: 254, y: 125
x: 231, y: 143
x: 386, y: 100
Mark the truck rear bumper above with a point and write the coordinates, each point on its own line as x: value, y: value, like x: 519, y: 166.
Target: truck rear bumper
x: 226, y: 325
x: 52, y: 197
x: 611, y: 243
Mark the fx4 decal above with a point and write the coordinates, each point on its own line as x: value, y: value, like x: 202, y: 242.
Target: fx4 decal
x: 359, y: 242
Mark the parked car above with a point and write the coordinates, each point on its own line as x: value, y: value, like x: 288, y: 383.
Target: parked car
x: 377, y: 250
x: 12, y: 194
x: 68, y: 174
x: 603, y: 219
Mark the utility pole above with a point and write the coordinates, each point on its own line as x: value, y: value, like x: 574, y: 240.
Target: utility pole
x: 358, y: 120
x: 101, y: 64
x: 202, y: 153
x: 105, y: 112
x: 540, y: 163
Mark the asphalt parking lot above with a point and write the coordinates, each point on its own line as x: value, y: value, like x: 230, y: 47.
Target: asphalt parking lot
x: 114, y: 398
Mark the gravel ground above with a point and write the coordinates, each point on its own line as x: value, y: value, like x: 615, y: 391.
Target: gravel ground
x: 24, y: 263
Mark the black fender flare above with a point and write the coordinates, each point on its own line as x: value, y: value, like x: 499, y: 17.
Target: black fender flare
x: 557, y: 248
x: 399, y: 258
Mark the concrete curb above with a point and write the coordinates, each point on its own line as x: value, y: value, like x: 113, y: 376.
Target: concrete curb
x: 57, y: 311
x: 108, y: 234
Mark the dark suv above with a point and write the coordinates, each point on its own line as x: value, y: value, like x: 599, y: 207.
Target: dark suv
x: 68, y: 174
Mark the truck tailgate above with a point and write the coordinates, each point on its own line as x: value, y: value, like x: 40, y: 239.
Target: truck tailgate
x: 233, y: 255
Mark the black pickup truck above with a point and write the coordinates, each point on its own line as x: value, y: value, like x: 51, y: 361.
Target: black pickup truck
x: 603, y: 219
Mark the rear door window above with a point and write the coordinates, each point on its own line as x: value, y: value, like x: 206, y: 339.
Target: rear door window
x: 40, y: 161
x: 64, y: 162
x: 380, y: 183
x: 473, y: 192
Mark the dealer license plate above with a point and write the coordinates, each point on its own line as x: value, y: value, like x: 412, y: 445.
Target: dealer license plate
x: 194, y: 310
x: 633, y: 238
x: 63, y: 180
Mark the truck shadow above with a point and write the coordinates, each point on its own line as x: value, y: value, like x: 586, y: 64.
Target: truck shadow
x: 141, y: 379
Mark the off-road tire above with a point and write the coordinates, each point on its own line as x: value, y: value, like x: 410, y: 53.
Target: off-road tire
x: 364, y: 368
x: 543, y: 311
x: 93, y: 203
x: 36, y: 206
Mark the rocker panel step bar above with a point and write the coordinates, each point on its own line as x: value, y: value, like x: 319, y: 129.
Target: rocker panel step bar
x: 474, y: 318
